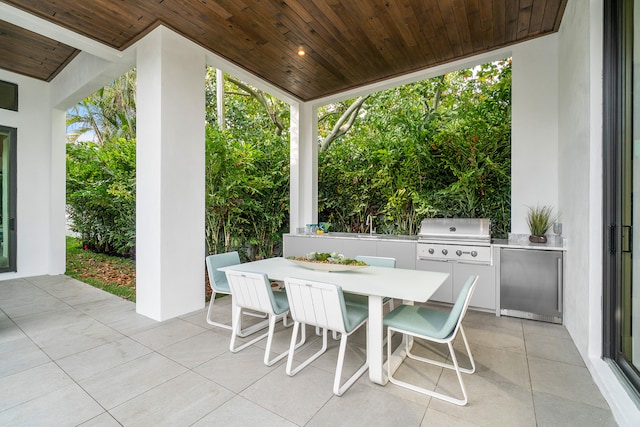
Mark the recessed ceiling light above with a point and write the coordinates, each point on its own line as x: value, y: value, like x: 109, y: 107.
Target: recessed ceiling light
x: 301, y: 52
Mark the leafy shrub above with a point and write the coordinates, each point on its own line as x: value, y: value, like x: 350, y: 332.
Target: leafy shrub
x: 101, y: 202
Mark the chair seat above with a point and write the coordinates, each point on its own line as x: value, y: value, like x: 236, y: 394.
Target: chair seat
x: 359, y: 300
x: 281, y: 303
x: 355, y: 315
x: 420, y: 320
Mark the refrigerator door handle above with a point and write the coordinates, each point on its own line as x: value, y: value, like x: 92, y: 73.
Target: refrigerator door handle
x: 560, y: 284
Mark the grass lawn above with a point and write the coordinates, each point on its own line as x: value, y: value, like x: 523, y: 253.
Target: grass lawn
x: 115, y: 275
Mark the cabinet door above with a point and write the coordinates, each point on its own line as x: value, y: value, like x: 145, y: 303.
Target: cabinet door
x: 294, y: 245
x: 445, y: 291
x: 354, y: 247
x: 485, y: 294
x: 403, y: 252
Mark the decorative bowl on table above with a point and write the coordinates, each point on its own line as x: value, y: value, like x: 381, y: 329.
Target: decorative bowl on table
x: 327, y: 262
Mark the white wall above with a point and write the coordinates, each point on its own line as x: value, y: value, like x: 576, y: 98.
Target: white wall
x: 534, y: 154
x: 35, y: 179
x: 580, y: 194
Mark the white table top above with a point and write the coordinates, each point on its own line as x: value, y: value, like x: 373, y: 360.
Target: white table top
x: 412, y: 285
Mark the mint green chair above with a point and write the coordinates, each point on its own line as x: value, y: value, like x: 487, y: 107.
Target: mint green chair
x: 322, y: 305
x: 219, y: 285
x: 253, y: 291
x: 361, y: 300
x: 436, y: 326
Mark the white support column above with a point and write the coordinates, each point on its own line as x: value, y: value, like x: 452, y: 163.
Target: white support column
x: 170, y: 245
x: 303, y: 190
x: 57, y: 183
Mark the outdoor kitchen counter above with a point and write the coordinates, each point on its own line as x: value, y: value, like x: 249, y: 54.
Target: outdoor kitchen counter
x: 521, y: 241
x: 359, y: 236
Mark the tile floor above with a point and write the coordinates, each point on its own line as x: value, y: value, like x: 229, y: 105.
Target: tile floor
x: 72, y: 355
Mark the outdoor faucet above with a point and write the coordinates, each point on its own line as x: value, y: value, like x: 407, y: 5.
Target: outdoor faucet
x: 369, y: 224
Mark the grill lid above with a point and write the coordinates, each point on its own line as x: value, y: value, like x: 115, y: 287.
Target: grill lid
x: 455, y: 229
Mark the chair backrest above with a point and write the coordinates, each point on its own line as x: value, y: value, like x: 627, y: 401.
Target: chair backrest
x: 459, y: 309
x: 217, y: 279
x: 252, y: 291
x: 317, y: 304
x: 378, y: 261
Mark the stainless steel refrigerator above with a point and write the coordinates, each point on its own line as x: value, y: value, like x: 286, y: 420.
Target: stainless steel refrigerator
x: 531, y: 284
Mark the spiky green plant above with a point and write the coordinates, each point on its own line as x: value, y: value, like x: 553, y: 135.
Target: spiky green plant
x: 540, y: 219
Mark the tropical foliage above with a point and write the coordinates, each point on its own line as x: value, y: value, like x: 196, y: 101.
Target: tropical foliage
x: 439, y: 147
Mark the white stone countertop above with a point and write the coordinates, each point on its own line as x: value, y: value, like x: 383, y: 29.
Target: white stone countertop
x: 521, y: 241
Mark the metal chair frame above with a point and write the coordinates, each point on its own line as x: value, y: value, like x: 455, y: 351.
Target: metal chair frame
x: 322, y: 305
x: 422, y: 312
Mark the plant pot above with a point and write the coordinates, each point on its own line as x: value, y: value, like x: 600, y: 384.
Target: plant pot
x: 538, y: 239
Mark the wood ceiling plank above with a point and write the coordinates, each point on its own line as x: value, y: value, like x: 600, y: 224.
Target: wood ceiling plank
x: 476, y: 26
x: 497, y: 21
x: 349, y: 43
x: 511, y: 21
x: 524, y: 19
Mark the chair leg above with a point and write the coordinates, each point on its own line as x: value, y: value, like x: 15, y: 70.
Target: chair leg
x: 290, y: 370
x: 337, y: 389
x: 447, y: 365
x: 267, y: 352
x: 235, y: 333
x: 241, y: 333
x: 210, y: 312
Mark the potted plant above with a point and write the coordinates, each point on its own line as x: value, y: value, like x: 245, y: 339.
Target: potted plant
x: 540, y: 220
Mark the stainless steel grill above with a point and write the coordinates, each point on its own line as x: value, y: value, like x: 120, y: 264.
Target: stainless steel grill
x: 455, y: 239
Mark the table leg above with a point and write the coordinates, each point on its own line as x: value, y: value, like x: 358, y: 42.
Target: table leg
x: 375, y: 341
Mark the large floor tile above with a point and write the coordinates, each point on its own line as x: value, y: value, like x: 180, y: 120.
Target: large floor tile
x: 124, y: 382
x: 180, y: 401
x: 107, y: 310
x: 103, y: 420
x: 495, y: 363
x: 491, y: 403
x: 435, y: 418
x: 68, y: 406
x: 553, y: 348
x: 167, y: 333
x: 20, y: 354
x: 481, y: 318
x: 31, y: 384
x: 491, y: 334
x: 296, y: 398
x: 565, y: 381
x: 74, y: 338
x: 237, y: 371
x: 28, y: 305
x: 545, y: 328
x: 99, y: 359
x: 196, y: 350
x: 240, y: 412
x: 553, y: 411
x: 363, y: 406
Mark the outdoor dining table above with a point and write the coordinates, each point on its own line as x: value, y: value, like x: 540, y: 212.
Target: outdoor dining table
x: 374, y: 282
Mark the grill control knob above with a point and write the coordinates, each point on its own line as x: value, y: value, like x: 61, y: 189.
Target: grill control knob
x: 444, y: 252
x: 459, y: 252
x: 431, y: 251
x: 474, y: 253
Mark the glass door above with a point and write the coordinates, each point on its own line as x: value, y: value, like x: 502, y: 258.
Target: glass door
x: 630, y: 291
x: 621, y: 137
x: 8, y: 137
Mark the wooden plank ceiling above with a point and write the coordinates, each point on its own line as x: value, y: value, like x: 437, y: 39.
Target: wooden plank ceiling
x: 348, y: 43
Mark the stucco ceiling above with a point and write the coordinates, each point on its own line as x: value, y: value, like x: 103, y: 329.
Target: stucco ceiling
x: 348, y: 43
